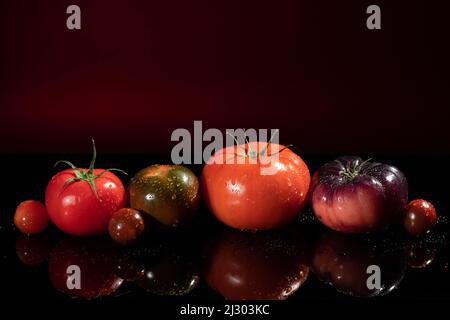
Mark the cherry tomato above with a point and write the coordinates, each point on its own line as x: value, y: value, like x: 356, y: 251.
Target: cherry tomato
x: 253, y: 190
x: 31, y: 217
x: 261, y: 266
x: 95, y: 259
x: 165, y: 192
x: 82, y: 201
x: 420, y: 217
x: 125, y: 226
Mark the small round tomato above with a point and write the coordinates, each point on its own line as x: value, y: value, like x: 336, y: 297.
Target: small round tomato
x: 125, y: 226
x: 255, y: 187
x: 420, y: 217
x: 31, y: 217
x: 167, y: 193
x: 82, y: 201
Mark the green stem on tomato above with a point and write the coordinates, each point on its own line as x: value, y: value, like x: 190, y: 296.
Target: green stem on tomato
x: 87, y: 175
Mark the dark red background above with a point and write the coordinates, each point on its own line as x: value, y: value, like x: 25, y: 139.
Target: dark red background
x: 139, y: 69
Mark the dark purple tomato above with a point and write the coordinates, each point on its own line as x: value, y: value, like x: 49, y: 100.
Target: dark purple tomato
x: 352, y: 195
x: 168, y: 193
x: 343, y: 261
x: 420, y: 217
x: 126, y: 226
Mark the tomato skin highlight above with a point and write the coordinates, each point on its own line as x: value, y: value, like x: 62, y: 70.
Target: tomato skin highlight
x: 243, y: 198
x: 31, y: 217
x: 76, y: 210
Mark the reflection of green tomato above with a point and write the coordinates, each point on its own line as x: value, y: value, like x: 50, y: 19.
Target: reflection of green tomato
x: 173, y: 275
x: 167, y: 193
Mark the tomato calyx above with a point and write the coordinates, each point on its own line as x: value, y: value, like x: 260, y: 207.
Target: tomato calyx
x: 248, y: 152
x: 351, y: 171
x: 87, y: 175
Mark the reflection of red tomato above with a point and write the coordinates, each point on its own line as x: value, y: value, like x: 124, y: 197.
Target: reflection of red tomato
x: 342, y: 260
x: 241, y: 196
x: 34, y: 250
x: 94, y: 257
x: 245, y: 266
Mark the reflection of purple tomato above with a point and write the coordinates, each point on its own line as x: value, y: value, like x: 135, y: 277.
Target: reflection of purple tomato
x: 343, y: 261
x: 257, y: 266
x: 352, y: 195
x: 32, y: 250
x: 94, y: 257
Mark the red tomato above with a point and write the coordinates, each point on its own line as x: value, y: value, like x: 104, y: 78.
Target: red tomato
x: 31, y: 217
x: 81, y: 201
x: 240, y: 196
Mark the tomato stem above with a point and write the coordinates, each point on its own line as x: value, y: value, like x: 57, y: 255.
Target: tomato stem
x: 87, y: 175
x: 352, y: 171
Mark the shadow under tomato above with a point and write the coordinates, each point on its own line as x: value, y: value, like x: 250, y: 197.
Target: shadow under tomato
x: 268, y: 265
x: 95, y: 258
x: 342, y: 260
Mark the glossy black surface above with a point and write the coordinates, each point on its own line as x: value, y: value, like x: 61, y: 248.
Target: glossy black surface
x: 168, y: 263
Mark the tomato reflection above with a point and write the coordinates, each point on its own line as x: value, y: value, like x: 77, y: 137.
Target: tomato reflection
x: 262, y: 265
x: 33, y: 250
x: 96, y: 259
x: 420, y: 255
x: 169, y: 269
x: 342, y: 260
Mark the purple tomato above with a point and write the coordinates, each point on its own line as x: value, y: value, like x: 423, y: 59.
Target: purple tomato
x: 352, y: 195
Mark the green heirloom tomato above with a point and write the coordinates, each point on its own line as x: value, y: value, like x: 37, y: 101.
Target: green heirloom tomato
x: 168, y: 193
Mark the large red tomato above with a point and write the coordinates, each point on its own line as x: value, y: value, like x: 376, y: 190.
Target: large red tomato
x: 250, y: 189
x: 82, y: 201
